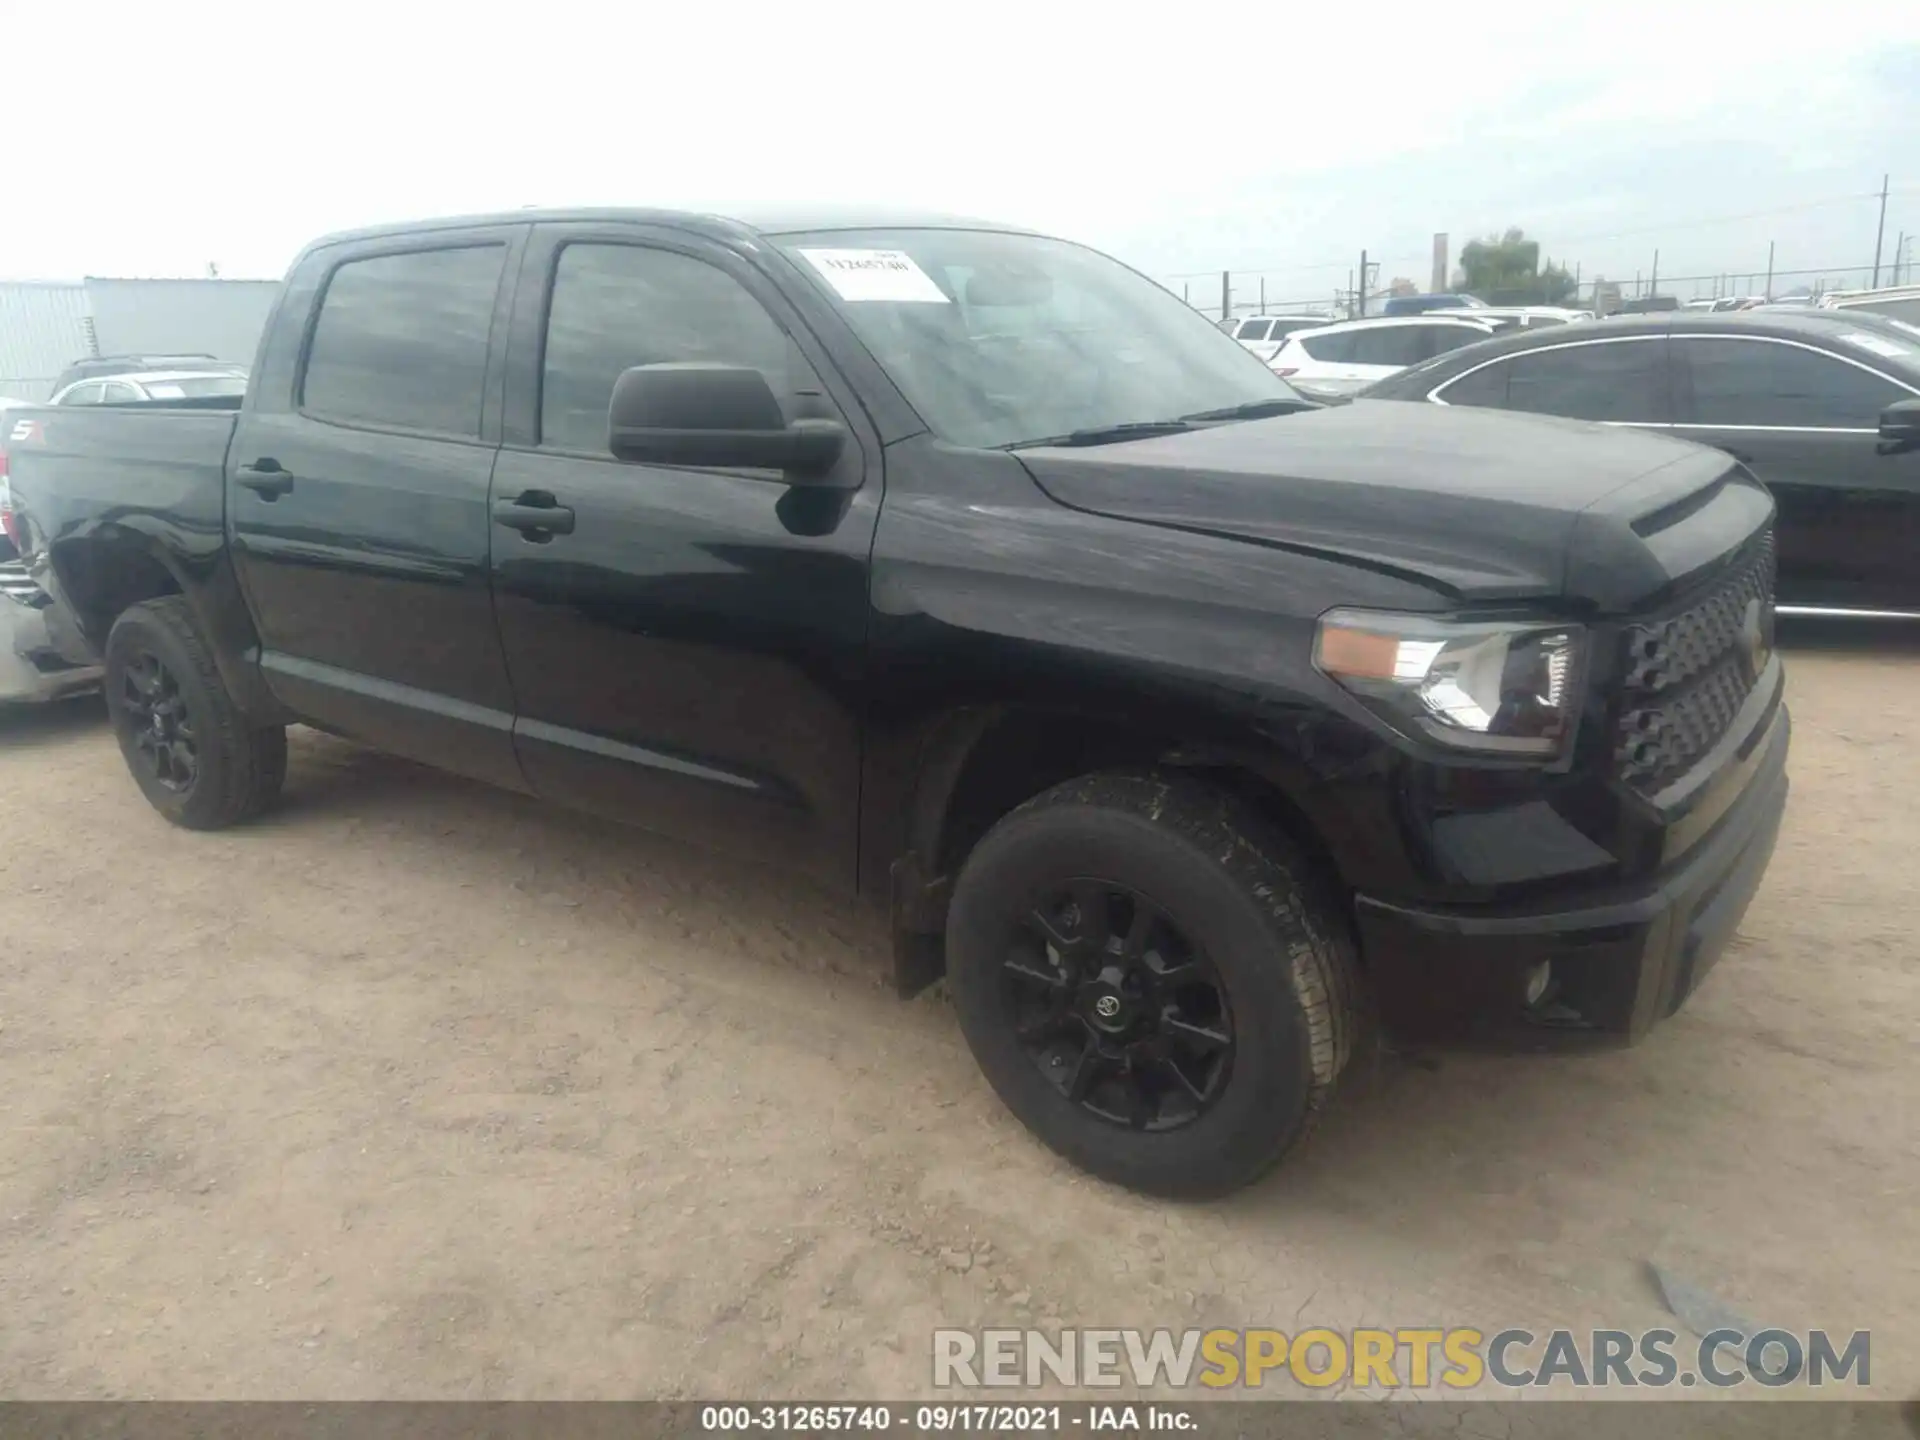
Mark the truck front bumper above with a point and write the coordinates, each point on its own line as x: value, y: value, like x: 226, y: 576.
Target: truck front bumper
x: 32, y: 666
x: 1618, y: 962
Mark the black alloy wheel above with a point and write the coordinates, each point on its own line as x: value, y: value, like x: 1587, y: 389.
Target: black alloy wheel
x: 1118, y: 1007
x: 200, y: 760
x: 159, y: 723
x: 1153, y: 979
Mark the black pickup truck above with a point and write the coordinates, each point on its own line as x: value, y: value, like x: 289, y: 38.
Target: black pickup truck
x: 1190, y: 729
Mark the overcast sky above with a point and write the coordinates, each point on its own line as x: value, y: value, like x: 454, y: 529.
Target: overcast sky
x: 1268, y: 138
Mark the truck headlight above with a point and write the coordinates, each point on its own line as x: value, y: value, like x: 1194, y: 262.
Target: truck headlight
x: 1498, y: 687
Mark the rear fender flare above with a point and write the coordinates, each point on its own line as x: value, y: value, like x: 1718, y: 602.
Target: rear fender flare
x: 210, y: 589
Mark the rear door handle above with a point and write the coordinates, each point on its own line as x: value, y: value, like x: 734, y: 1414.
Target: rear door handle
x: 266, y: 479
x: 535, y: 514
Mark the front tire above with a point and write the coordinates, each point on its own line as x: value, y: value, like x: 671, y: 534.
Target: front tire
x: 196, y: 757
x: 1149, y: 978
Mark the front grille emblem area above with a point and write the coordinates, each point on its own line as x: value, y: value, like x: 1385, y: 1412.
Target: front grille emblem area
x: 1756, y: 637
x: 1689, y: 674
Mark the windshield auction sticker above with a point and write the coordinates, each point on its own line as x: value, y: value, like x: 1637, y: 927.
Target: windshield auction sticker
x: 876, y: 275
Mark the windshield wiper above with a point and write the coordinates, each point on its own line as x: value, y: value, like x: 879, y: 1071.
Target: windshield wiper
x: 1107, y: 434
x: 1256, y: 409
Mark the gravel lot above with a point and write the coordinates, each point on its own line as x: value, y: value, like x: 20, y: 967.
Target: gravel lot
x: 417, y: 1089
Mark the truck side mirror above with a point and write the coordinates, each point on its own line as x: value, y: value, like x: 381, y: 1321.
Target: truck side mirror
x: 717, y: 416
x: 1900, y: 427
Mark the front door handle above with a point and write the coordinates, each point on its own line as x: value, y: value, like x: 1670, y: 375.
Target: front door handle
x: 535, y: 514
x: 266, y: 478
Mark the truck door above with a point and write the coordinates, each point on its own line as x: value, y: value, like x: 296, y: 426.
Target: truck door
x: 686, y: 646
x: 358, y: 496
x: 1806, y: 420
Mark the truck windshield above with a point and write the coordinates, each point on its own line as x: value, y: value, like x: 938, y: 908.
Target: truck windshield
x: 999, y: 339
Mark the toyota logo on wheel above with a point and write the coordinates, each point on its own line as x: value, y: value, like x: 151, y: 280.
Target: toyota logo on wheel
x: 1107, y: 1006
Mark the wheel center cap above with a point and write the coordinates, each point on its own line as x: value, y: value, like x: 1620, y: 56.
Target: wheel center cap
x: 1107, y: 1007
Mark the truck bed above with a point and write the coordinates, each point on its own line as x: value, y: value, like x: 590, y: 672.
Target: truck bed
x: 140, y: 474
x: 77, y: 470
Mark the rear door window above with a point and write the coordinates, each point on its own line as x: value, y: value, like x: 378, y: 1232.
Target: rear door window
x: 1777, y: 385
x: 1486, y: 386
x: 1396, y: 345
x: 401, y: 341
x: 1334, y: 349
x: 1254, y: 329
x: 1620, y: 381
x: 1439, y: 339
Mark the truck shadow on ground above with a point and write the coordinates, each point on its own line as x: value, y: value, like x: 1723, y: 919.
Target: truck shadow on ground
x: 1407, y: 1133
x: 583, y: 867
x: 22, y: 726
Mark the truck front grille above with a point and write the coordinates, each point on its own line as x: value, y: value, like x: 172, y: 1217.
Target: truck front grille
x: 1688, y: 674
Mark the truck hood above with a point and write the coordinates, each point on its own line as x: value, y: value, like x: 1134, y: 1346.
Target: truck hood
x: 1481, y: 505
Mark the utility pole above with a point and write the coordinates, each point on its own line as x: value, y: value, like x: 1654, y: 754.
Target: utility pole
x: 1768, y: 292
x: 1880, y: 234
x: 1363, y: 285
x: 1653, y: 285
x: 1263, y: 294
x: 1899, y: 251
x: 1226, y: 294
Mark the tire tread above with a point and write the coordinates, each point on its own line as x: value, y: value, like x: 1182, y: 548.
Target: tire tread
x: 251, y: 761
x: 1307, y: 926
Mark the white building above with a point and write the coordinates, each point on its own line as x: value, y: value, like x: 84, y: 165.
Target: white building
x: 45, y: 325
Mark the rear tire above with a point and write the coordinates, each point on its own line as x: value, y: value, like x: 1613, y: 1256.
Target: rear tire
x: 1216, y: 1024
x: 199, y: 761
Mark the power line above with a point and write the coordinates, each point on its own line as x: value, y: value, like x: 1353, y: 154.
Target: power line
x: 1560, y: 243
x: 1335, y: 266
x: 1670, y: 226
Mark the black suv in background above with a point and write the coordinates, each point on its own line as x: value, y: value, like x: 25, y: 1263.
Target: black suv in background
x: 1187, y: 726
x: 1822, y: 405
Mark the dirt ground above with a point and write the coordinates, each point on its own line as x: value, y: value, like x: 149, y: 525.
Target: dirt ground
x: 420, y: 1090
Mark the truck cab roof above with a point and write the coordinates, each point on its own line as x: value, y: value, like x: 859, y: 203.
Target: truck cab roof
x: 745, y: 222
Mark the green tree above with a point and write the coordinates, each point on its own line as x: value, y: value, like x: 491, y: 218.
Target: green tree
x: 1506, y: 270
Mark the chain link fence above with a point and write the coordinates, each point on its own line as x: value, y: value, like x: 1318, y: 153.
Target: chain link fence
x: 1248, y: 293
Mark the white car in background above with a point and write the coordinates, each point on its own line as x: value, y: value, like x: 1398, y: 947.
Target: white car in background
x: 1519, y: 317
x: 153, y: 385
x: 1901, y: 302
x: 1265, y: 334
x: 1334, y: 361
